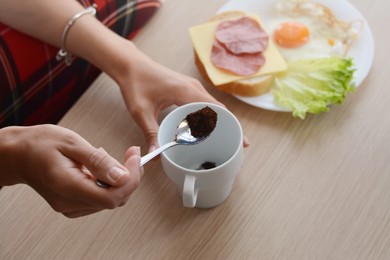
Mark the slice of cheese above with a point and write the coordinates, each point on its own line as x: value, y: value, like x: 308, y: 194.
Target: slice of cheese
x: 202, y: 37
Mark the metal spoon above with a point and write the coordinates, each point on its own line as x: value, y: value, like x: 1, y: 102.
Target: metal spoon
x: 183, y: 137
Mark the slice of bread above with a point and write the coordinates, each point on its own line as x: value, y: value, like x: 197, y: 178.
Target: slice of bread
x: 249, y: 87
x: 228, y: 15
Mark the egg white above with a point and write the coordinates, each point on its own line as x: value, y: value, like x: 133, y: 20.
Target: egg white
x: 319, y: 35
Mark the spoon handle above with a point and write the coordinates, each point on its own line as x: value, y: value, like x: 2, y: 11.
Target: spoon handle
x: 146, y: 158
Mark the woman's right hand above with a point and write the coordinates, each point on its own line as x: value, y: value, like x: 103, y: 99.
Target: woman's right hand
x: 62, y: 167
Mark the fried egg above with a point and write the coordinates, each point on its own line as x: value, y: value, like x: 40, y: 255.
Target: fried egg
x: 291, y: 35
x: 301, y: 32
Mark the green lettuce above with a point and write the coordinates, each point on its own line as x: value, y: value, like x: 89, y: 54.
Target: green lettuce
x: 312, y: 85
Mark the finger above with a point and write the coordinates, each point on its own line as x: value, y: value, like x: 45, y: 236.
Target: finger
x: 83, y: 187
x: 68, y: 197
x: 79, y: 191
x: 106, y: 168
x: 246, y: 142
x: 147, y: 121
x: 67, y: 205
x: 131, y: 151
x: 98, y: 162
x: 79, y: 213
x: 132, y: 163
x: 61, y: 204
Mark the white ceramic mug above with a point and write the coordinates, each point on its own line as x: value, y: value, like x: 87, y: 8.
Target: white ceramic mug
x: 204, y: 188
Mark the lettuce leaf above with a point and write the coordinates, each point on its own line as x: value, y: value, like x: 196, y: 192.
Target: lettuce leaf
x: 312, y: 85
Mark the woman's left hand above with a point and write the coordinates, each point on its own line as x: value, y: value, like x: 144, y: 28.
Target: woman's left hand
x: 149, y: 87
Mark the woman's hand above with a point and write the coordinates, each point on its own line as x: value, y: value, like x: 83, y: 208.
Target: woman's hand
x: 62, y: 167
x: 148, y: 88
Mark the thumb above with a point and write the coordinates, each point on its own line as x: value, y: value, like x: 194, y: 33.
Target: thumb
x: 106, y: 168
x: 98, y: 162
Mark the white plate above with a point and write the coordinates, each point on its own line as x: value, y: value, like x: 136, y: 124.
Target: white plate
x: 362, y: 51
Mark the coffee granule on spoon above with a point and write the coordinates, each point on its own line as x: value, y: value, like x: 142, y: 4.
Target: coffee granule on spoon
x: 202, y: 122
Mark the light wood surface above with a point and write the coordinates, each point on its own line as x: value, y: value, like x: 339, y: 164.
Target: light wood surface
x: 312, y: 189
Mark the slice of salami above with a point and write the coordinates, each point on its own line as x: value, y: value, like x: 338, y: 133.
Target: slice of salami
x: 241, y: 64
x: 242, y: 35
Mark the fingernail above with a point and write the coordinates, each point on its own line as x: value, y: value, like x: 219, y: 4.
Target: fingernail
x: 116, y: 173
x: 246, y: 142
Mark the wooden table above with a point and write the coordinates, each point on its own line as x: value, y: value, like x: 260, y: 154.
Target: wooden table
x: 312, y: 189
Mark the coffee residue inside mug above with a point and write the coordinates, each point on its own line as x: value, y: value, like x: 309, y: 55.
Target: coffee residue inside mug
x: 202, y: 122
x: 208, y: 165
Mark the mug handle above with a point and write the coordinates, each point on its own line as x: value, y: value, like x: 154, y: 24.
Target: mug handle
x: 190, y: 193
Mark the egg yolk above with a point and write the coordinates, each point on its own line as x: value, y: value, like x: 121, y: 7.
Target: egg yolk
x: 291, y: 35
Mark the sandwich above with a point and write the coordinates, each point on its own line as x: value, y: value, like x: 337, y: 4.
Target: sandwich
x: 234, y: 53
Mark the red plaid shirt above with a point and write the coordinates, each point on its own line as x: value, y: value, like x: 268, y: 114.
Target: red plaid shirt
x: 34, y: 87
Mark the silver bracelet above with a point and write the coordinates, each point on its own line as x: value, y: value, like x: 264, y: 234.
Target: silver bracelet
x: 63, y: 53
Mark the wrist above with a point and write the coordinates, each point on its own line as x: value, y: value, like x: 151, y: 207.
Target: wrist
x: 122, y: 60
x: 89, y: 39
x: 63, y: 53
x: 8, y: 157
